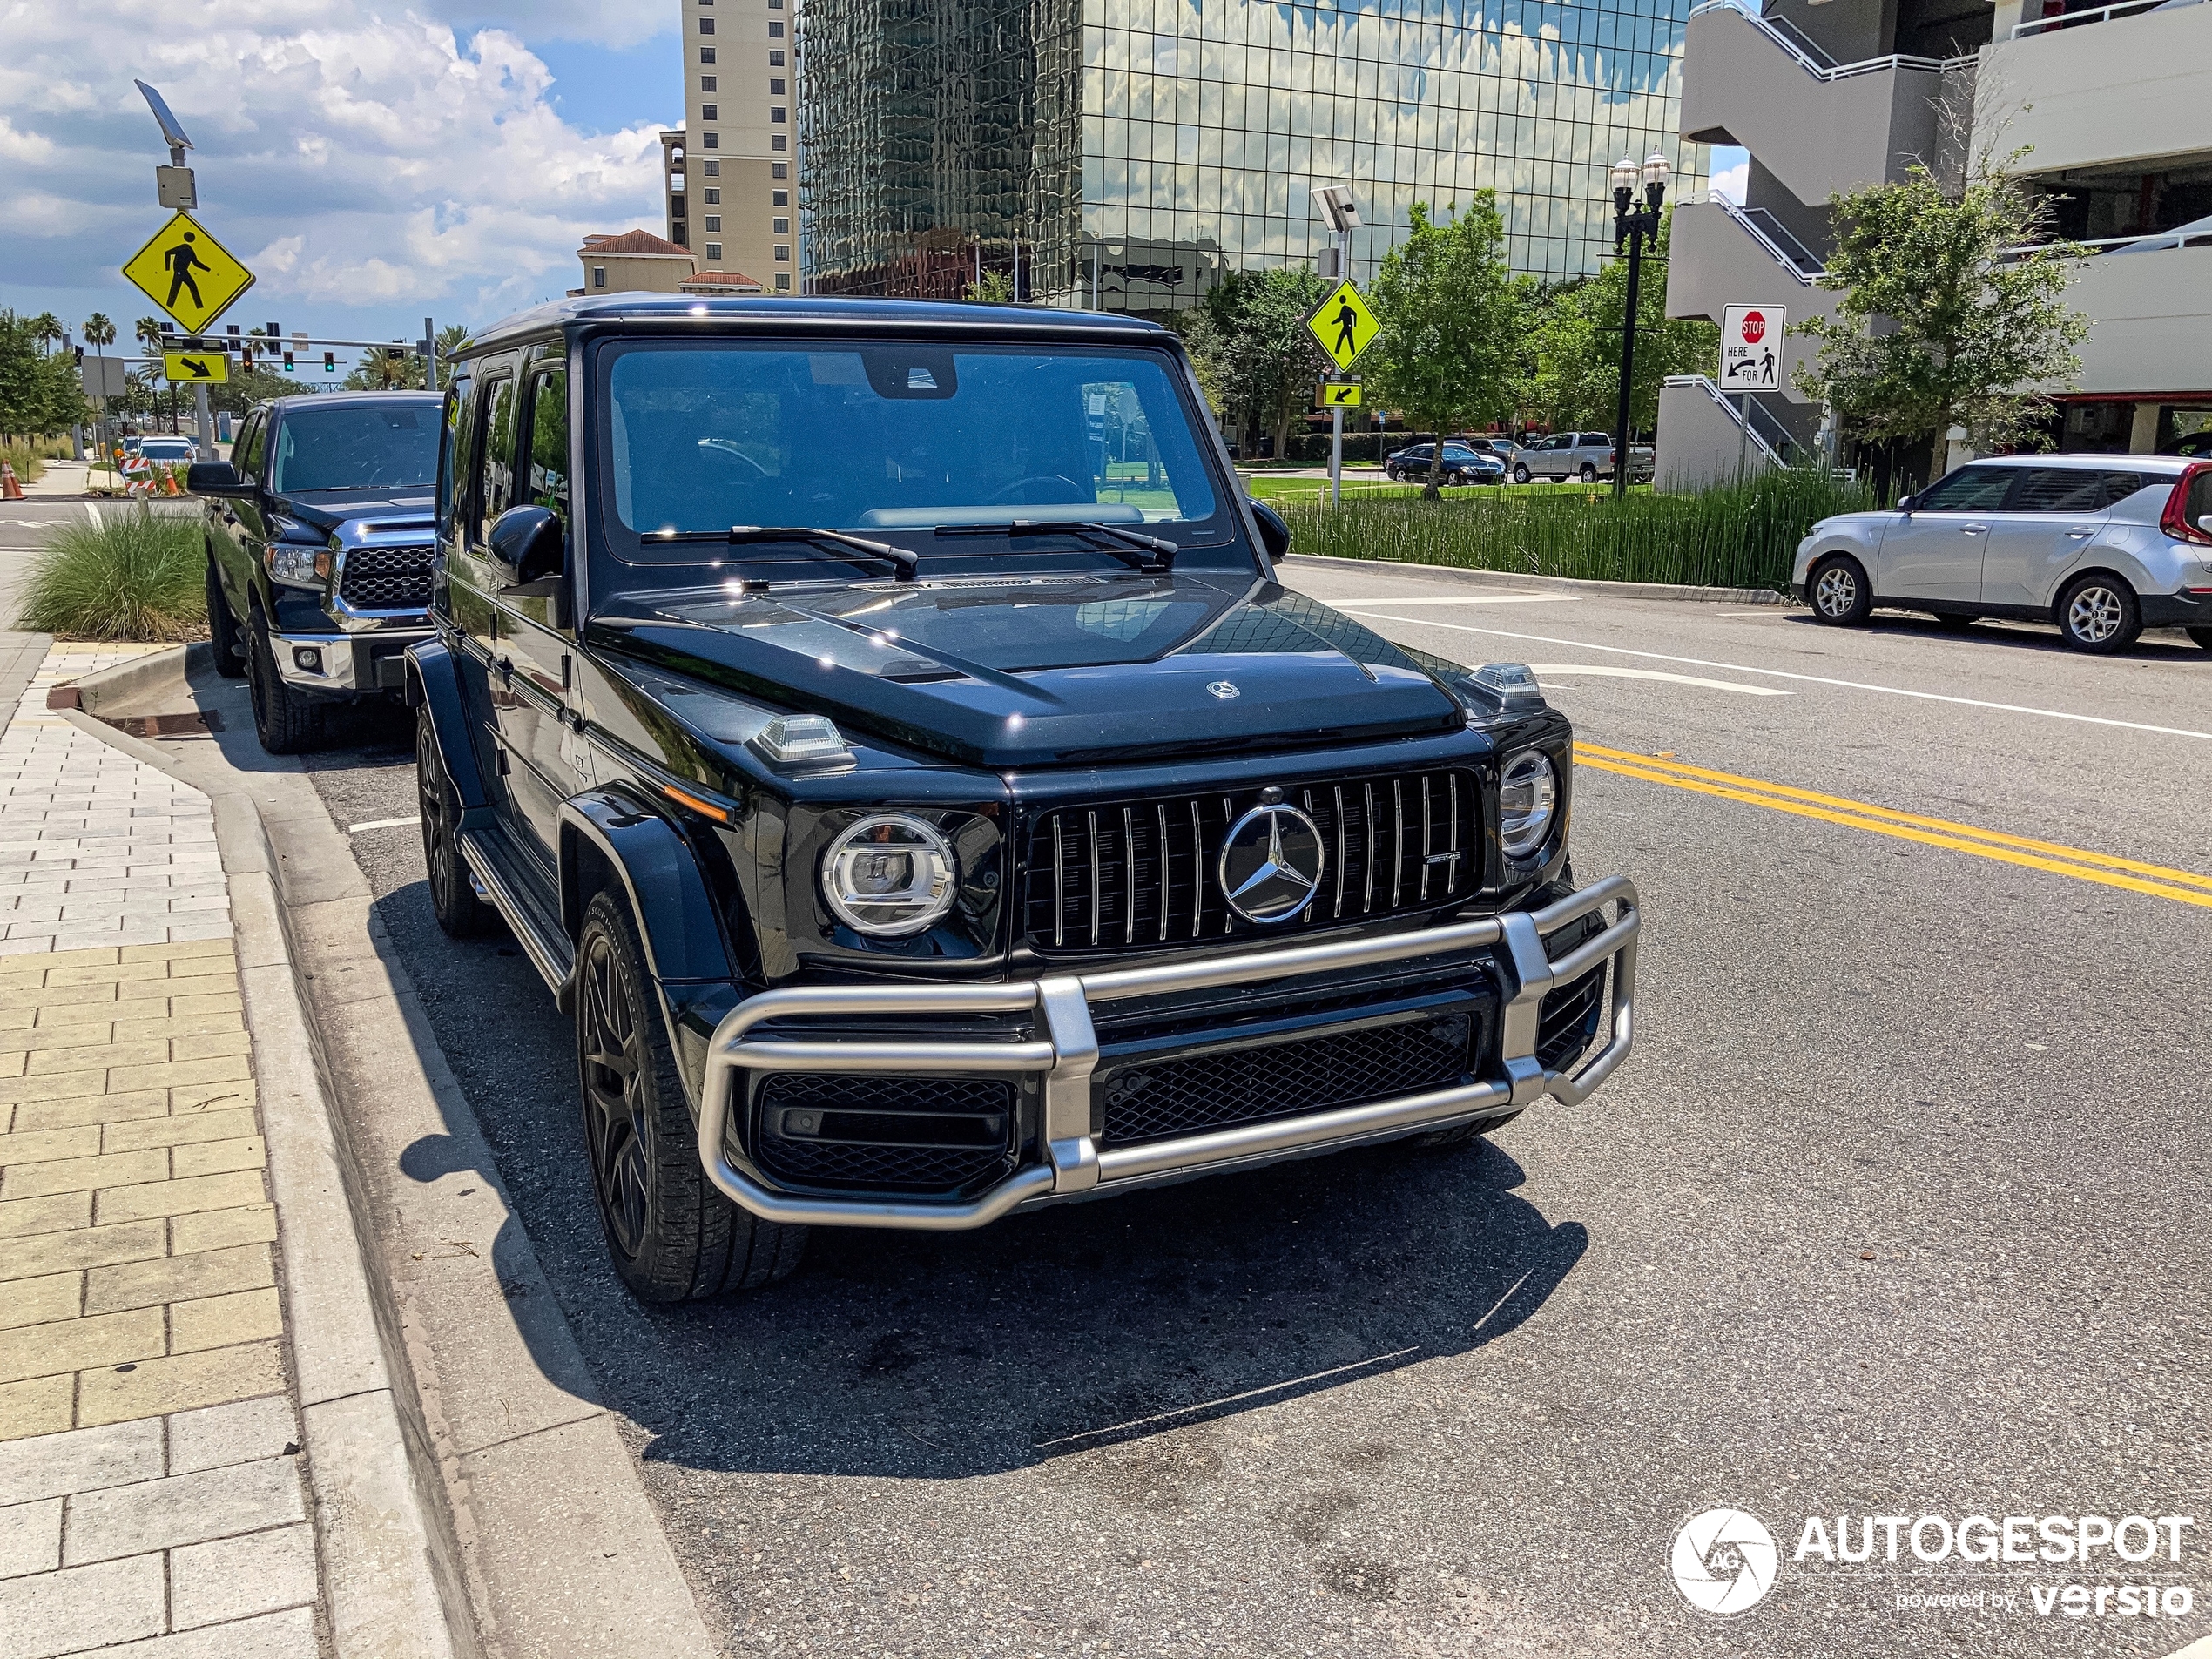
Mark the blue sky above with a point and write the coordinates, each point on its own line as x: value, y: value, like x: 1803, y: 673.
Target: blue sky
x: 369, y: 167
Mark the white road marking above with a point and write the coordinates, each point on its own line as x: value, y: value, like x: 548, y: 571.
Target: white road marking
x: 1817, y: 679
x: 383, y: 823
x: 1607, y: 671
x: 1461, y: 599
x: 92, y: 513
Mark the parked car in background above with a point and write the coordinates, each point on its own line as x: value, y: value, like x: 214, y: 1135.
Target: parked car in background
x: 2102, y: 545
x: 1587, y: 456
x: 1462, y: 465
x: 169, y: 452
x: 319, y: 533
x: 1504, y: 449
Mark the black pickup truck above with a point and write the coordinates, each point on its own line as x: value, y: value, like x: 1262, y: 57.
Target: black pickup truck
x: 882, y: 727
x: 319, y: 545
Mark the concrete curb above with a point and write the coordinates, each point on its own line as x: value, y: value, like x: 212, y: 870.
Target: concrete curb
x: 378, y: 1538
x: 542, y: 1541
x: 1570, y: 584
x: 112, y: 686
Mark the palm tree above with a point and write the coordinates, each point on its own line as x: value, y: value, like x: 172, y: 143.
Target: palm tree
x: 149, y: 331
x: 46, y: 329
x: 99, y: 333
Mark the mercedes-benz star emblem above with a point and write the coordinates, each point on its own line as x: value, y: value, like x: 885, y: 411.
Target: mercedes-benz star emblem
x: 1270, y: 863
x: 1223, y: 689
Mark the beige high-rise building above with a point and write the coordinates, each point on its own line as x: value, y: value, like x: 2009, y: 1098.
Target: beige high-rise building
x: 732, y: 172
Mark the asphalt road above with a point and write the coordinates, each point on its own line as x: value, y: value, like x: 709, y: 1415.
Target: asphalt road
x: 1898, y: 1209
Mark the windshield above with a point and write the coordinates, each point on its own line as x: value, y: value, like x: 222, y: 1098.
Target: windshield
x: 356, y: 446
x: 888, y: 437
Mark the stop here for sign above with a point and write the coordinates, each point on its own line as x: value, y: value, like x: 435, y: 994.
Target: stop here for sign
x: 1751, y: 349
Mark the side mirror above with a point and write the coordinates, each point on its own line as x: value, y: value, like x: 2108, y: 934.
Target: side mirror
x: 529, y: 542
x: 1907, y: 503
x: 2204, y: 523
x: 1274, y: 534
x: 216, y: 478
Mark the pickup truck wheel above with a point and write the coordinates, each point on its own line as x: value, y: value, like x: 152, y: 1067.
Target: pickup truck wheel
x: 287, y: 723
x: 1461, y: 1134
x: 674, y: 1237
x: 222, y: 627
x: 1589, y: 473
x: 2099, y: 614
x: 461, y: 913
x: 1841, y: 594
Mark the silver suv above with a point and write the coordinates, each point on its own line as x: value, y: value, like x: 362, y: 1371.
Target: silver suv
x: 2102, y: 545
x: 1586, y: 455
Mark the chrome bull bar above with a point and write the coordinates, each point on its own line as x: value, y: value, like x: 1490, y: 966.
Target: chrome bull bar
x: 1068, y: 1053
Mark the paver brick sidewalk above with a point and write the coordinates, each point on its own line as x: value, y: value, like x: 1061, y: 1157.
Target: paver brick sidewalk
x: 152, y: 1499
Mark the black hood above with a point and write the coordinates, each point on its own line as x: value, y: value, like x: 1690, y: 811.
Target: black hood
x: 1012, y: 671
x: 328, y: 509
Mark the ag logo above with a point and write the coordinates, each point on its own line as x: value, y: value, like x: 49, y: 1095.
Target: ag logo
x: 1270, y: 863
x: 1724, y: 1561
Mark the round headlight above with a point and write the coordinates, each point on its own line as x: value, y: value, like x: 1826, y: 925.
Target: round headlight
x: 1527, y: 794
x: 890, y: 875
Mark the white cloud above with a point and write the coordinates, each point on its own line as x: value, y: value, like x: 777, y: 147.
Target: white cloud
x: 348, y: 158
x: 1731, y: 170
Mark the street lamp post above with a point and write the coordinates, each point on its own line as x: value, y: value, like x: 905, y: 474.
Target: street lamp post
x: 1634, y: 228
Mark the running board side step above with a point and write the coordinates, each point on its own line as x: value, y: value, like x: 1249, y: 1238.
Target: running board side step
x: 542, y: 937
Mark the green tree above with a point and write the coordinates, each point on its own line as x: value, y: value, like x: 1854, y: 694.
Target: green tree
x: 46, y: 329
x: 1252, y: 349
x: 993, y: 288
x: 99, y: 331
x: 1449, y: 310
x: 1572, y: 383
x: 40, y: 394
x: 1974, y: 330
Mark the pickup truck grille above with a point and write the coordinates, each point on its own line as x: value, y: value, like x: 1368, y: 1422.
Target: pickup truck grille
x: 1129, y: 875
x: 387, y: 578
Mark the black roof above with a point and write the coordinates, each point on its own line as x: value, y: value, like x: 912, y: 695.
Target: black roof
x: 797, y: 315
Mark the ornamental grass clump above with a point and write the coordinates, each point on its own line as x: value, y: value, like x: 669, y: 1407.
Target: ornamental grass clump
x: 134, y: 575
x: 1743, y: 535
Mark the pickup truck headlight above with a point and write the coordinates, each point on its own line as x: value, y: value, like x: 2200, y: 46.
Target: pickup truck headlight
x: 890, y: 875
x: 294, y: 561
x: 1528, y: 797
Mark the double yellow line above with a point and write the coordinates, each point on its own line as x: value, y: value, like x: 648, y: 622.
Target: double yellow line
x: 2156, y: 880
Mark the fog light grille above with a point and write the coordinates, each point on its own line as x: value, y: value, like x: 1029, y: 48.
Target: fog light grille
x: 885, y: 1132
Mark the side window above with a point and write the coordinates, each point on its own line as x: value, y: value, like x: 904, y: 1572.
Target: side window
x: 246, y: 454
x: 2120, y: 485
x: 1970, y: 489
x: 495, y: 454
x: 453, y: 469
x: 548, y: 470
x: 2060, y: 489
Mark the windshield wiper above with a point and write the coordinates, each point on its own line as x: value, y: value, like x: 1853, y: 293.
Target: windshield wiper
x: 1162, y: 551
x: 905, y: 563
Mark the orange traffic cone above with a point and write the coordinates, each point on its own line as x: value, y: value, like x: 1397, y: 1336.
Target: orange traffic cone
x: 11, y: 486
x: 168, y: 484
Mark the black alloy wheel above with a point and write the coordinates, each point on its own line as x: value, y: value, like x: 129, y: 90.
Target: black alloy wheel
x: 461, y: 913
x: 1839, y: 592
x: 287, y: 723
x: 222, y: 627
x: 673, y: 1235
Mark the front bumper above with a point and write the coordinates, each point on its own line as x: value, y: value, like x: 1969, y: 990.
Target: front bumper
x: 1066, y: 1050
x: 345, y: 664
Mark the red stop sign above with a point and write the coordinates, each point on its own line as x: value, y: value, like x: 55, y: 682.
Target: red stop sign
x: 1754, y: 327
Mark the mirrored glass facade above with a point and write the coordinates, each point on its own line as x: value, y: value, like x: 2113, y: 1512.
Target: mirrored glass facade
x: 1136, y: 149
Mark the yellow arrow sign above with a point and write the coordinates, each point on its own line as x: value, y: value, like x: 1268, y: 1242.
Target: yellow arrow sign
x: 1340, y: 394
x: 206, y: 366
x: 1343, y: 325
x: 188, y: 273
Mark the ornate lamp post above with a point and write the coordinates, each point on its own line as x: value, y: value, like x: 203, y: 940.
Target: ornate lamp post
x: 1634, y: 229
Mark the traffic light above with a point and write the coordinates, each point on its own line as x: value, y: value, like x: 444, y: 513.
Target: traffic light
x: 80, y: 354
x: 287, y: 360
x: 330, y: 362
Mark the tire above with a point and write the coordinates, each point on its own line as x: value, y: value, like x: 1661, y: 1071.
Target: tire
x: 1589, y: 473
x: 1461, y: 1134
x: 2202, y: 636
x: 1391, y: 473
x: 461, y: 913
x: 1520, y: 472
x: 2099, y: 614
x: 672, y: 1236
x: 1841, y: 594
x: 222, y: 627
x: 287, y: 723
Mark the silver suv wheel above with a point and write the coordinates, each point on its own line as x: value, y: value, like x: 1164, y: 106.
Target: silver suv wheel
x: 1837, y: 592
x: 2095, y: 614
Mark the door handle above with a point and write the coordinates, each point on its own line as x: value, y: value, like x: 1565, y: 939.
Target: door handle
x: 2077, y: 535
x: 1973, y: 530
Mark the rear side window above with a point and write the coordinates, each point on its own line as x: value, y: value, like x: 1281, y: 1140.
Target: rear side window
x: 1970, y: 489
x: 495, y: 454
x: 2061, y: 489
x: 2120, y: 485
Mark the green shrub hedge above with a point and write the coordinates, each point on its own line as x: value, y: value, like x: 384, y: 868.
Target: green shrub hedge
x: 135, y: 575
x: 1736, y: 535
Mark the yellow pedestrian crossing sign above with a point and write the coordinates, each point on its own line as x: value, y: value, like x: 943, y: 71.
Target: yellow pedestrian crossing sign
x: 1340, y: 394
x: 206, y: 367
x: 1343, y: 325
x: 188, y: 273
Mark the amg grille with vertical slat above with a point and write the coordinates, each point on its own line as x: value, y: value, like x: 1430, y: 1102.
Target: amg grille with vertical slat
x: 387, y: 578
x: 1142, y: 874
x: 1151, y: 1102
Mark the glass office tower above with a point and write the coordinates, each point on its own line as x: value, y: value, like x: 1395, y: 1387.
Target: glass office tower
x: 1135, y: 150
